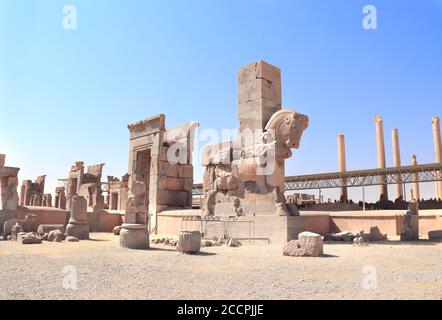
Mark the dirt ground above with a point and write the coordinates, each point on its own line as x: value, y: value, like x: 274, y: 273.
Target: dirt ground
x: 100, y: 269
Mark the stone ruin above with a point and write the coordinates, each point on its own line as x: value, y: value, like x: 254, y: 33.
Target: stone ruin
x: 160, y: 177
x: 8, y: 192
x: 86, y: 184
x: 410, y: 223
x: 161, y: 160
x: 32, y: 193
x: 118, y: 193
x: 247, y: 176
x: 78, y: 226
x: 60, y: 198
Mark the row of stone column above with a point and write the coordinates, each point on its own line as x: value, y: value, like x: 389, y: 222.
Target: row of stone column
x: 382, y: 164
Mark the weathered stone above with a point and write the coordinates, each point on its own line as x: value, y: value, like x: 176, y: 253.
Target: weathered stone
x: 134, y: 236
x: 116, y: 231
x: 308, y: 245
x: 28, y: 238
x: 233, y: 242
x: 72, y: 239
x: 46, y: 228
x: 376, y: 234
x: 359, y: 241
x: 410, y: 229
x: 56, y: 236
x: 15, y: 230
x: 435, y: 235
x: 256, y: 160
x: 26, y: 224
x: 189, y: 242
x: 206, y: 243
x: 78, y: 224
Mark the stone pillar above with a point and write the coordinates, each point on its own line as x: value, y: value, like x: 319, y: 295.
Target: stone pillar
x: 437, y: 153
x: 382, y: 164
x: 259, y: 95
x: 397, y: 160
x: 78, y: 224
x: 416, y: 187
x: 342, y: 166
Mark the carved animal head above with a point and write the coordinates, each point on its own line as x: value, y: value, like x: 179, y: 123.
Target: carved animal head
x: 288, y: 126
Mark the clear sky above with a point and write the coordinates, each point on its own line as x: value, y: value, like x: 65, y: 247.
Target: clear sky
x: 67, y: 95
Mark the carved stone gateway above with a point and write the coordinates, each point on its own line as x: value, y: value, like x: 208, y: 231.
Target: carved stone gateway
x: 246, y: 177
x: 160, y: 160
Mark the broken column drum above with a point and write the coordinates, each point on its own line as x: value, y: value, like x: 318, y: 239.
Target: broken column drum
x: 78, y: 224
x: 134, y: 236
x: 189, y: 242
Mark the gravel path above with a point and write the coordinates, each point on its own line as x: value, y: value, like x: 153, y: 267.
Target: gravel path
x: 104, y: 271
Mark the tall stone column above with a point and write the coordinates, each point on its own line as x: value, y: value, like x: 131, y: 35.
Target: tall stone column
x: 416, y: 188
x: 437, y: 153
x: 382, y: 164
x: 342, y: 166
x: 397, y: 160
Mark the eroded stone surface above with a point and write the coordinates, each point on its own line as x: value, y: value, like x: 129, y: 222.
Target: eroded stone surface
x: 308, y: 245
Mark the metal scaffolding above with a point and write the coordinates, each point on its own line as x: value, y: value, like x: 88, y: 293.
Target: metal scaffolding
x: 359, y: 178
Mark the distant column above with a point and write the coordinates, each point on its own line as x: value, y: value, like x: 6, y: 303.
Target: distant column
x: 342, y: 166
x: 437, y: 153
x: 416, y: 188
x: 382, y: 164
x: 397, y: 160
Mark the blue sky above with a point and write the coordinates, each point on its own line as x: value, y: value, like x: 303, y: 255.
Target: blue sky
x: 67, y: 95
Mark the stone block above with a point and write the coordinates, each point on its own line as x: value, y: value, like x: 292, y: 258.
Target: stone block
x: 172, y: 198
x: 28, y: 238
x: 308, y: 245
x: 72, y: 239
x: 259, y: 70
x: 260, y: 89
x: 46, y: 228
x: 134, y: 236
x: 185, y: 171
x: 189, y: 242
x: 56, y: 236
x: 435, y: 235
x: 80, y: 231
x: 2, y: 160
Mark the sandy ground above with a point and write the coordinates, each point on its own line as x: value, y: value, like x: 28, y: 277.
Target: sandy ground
x: 102, y: 270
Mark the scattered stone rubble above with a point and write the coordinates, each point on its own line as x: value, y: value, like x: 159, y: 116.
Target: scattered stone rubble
x: 358, y: 237
x: 213, y: 242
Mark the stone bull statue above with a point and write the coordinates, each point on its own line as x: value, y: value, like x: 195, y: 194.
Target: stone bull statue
x: 259, y: 167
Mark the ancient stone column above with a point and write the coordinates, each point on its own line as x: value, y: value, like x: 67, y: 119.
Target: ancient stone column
x: 397, y: 160
x: 416, y: 187
x: 382, y: 164
x: 437, y: 153
x: 342, y: 166
x: 78, y: 224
